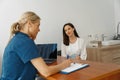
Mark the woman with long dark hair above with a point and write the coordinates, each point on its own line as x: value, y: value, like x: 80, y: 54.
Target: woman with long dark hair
x: 72, y: 46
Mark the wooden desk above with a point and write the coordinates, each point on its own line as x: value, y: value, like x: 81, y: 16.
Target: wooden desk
x: 96, y: 71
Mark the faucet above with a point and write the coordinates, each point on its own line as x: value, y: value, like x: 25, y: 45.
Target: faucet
x: 103, y: 37
x: 117, y: 37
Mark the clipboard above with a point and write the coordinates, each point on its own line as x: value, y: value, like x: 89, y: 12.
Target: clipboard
x: 73, y: 67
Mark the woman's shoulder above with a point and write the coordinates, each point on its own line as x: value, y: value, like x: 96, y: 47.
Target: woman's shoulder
x: 62, y: 44
x: 80, y: 39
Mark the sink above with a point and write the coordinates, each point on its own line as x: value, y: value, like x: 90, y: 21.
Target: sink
x: 111, y: 42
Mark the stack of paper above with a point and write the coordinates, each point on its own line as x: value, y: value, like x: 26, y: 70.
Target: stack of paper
x: 73, y: 67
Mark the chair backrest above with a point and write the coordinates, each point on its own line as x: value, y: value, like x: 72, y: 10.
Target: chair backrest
x: 59, y: 53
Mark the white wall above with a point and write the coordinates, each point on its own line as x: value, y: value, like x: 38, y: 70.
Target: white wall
x: 88, y: 16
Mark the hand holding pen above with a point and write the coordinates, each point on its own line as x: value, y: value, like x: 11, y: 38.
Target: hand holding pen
x: 68, y: 57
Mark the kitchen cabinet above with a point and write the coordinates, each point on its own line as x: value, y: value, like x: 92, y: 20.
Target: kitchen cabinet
x: 106, y: 54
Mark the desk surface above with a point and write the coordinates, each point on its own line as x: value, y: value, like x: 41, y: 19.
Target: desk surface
x: 96, y: 71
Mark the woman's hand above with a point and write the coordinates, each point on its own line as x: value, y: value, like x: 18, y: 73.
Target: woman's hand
x: 78, y: 57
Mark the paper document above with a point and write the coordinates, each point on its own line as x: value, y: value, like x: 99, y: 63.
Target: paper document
x: 73, y: 67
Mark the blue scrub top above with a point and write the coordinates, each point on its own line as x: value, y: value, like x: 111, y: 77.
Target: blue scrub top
x: 16, y: 63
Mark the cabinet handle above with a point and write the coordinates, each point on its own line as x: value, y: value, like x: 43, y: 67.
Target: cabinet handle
x: 116, y: 59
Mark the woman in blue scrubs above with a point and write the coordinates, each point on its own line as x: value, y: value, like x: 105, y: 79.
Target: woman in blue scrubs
x: 21, y: 60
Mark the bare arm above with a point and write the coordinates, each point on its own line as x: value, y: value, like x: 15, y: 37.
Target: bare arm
x: 46, y: 70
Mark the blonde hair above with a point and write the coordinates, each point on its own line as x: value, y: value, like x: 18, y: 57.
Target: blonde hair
x: 17, y: 26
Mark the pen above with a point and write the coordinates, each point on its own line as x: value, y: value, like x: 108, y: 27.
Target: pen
x: 67, y: 56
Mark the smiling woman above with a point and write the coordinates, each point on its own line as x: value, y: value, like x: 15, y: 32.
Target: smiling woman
x: 72, y: 46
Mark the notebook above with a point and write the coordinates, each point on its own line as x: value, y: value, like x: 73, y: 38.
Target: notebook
x: 48, y: 52
x: 73, y: 67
